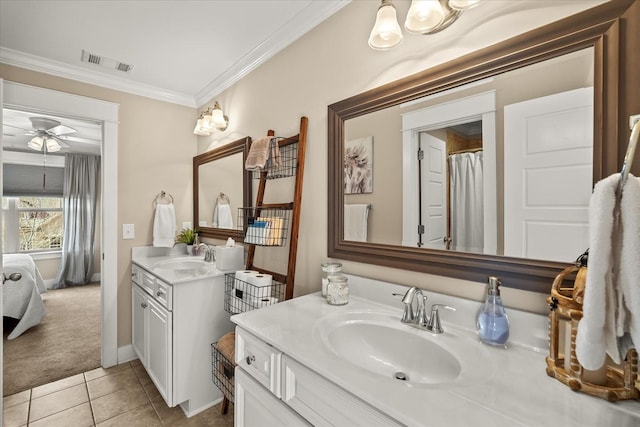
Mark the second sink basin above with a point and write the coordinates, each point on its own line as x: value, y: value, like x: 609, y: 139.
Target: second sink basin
x: 185, y: 265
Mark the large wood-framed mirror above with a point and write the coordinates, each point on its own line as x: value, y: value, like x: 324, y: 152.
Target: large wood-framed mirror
x: 600, y: 36
x: 221, y: 185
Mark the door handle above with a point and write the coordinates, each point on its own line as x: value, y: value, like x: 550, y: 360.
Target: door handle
x: 14, y: 277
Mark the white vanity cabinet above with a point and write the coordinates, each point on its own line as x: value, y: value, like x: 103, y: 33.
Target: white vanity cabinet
x: 173, y: 326
x: 271, y: 384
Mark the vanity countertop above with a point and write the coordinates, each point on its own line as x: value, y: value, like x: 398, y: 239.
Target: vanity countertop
x: 151, y: 258
x: 514, y: 389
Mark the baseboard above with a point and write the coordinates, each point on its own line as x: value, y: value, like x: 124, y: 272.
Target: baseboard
x: 126, y: 353
x: 189, y: 412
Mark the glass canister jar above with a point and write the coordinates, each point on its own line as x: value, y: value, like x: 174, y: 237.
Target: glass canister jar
x: 337, y: 290
x: 329, y: 269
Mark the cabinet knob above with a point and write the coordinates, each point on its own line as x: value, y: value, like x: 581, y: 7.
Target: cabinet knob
x: 160, y: 292
x: 250, y: 359
x: 143, y: 305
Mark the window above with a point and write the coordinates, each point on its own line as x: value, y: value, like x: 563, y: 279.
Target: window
x: 32, y: 224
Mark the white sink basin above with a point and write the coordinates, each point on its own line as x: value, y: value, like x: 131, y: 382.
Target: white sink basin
x: 184, y: 265
x: 380, y: 344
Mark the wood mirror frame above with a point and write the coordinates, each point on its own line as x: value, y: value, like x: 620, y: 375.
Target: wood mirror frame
x: 606, y: 28
x: 239, y: 146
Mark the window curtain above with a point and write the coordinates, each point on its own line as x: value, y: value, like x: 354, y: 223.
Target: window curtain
x: 467, y: 212
x: 79, y: 206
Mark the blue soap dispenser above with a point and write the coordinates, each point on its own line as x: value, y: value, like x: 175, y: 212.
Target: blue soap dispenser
x: 493, y: 324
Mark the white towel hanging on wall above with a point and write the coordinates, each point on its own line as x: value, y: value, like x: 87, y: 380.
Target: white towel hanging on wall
x: 164, y: 226
x: 356, y: 222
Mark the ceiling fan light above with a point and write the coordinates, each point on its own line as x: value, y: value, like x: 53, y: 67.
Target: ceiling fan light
x: 36, y: 143
x: 52, y: 145
x: 424, y: 16
x: 386, y: 32
x: 463, y: 4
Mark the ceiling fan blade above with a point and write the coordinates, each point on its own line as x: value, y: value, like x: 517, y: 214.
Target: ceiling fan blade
x: 18, y: 127
x: 60, y: 130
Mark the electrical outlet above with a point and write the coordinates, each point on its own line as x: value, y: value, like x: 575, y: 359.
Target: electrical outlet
x: 128, y: 231
x: 633, y: 119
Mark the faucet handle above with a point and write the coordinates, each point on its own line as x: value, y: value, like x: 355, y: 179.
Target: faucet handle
x: 408, y: 316
x: 423, y: 320
x: 434, y: 324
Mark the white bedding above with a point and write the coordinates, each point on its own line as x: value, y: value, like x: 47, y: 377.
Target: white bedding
x: 21, y: 299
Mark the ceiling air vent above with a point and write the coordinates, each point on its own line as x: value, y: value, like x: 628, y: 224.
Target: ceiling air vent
x: 105, y: 62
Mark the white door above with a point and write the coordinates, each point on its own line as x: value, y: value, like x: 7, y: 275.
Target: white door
x: 434, y: 191
x: 159, y: 349
x: 139, y: 308
x: 547, y: 175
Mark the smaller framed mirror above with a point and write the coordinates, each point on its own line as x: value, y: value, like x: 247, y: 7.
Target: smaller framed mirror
x: 221, y: 185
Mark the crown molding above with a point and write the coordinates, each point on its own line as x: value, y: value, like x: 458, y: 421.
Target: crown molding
x: 303, y: 22
x: 72, y: 72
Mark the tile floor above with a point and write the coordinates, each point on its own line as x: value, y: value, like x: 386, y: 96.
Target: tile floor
x: 123, y: 395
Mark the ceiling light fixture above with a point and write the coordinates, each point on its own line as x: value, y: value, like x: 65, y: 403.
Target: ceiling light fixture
x: 423, y: 17
x: 210, y: 120
x: 44, y: 142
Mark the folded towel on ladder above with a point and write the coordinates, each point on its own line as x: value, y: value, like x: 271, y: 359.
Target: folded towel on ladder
x: 263, y: 153
x: 164, y: 226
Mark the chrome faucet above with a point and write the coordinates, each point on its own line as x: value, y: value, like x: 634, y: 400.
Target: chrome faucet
x: 419, y: 318
x: 209, y: 252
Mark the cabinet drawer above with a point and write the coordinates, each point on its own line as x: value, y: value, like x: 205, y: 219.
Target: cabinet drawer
x: 323, y: 403
x: 163, y: 294
x: 259, y: 359
x: 135, y: 274
x: 146, y: 281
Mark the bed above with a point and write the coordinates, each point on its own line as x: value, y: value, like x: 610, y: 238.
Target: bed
x: 21, y: 299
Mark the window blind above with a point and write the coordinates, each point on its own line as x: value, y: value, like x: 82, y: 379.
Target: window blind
x: 27, y: 180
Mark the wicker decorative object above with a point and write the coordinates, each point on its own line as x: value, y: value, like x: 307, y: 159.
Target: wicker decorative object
x: 618, y: 382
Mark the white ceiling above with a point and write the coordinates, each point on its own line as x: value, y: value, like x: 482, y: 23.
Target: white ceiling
x: 184, y: 52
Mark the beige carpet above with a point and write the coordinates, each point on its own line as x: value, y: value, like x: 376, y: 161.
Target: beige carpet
x: 65, y: 343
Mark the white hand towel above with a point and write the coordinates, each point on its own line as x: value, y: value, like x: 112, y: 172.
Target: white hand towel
x: 164, y: 226
x: 222, y: 216
x: 629, y: 277
x: 596, y: 330
x: 355, y: 222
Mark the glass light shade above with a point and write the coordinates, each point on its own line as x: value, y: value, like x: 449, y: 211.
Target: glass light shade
x: 463, y: 4
x: 207, y: 122
x: 52, y: 145
x: 198, y: 129
x: 218, y: 119
x: 386, y: 32
x: 36, y: 143
x: 424, y: 16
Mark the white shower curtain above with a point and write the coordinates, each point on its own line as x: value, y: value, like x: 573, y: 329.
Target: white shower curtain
x: 467, y: 213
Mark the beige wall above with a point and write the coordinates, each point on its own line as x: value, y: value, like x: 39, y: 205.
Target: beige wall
x: 155, y: 151
x: 333, y: 62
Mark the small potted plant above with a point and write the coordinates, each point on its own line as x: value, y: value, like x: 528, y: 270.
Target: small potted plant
x: 189, y: 237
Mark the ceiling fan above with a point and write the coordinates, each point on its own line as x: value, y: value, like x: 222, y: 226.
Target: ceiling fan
x: 48, y: 133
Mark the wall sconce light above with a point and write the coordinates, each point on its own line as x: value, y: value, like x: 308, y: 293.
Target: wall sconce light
x: 210, y: 120
x: 424, y: 17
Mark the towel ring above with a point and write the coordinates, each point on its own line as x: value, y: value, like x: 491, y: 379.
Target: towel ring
x: 162, y: 198
x: 222, y: 199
